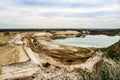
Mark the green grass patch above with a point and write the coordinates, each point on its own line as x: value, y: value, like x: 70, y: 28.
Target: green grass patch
x: 111, y: 54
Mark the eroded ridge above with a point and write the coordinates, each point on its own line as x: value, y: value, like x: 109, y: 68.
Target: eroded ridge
x: 44, y: 59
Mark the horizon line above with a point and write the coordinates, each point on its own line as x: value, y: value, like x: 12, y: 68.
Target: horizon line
x: 10, y: 29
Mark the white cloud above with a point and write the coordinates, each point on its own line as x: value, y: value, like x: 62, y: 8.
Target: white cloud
x: 32, y: 15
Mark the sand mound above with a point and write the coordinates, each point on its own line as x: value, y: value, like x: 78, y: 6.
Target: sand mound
x: 12, y: 54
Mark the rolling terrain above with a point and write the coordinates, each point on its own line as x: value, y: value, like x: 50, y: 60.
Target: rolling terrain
x: 31, y: 55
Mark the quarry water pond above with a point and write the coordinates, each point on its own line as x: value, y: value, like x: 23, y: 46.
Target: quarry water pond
x: 97, y: 41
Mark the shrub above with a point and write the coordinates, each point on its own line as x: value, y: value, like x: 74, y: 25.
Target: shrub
x: 107, y: 72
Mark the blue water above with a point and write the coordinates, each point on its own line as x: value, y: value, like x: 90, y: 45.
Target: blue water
x: 97, y: 41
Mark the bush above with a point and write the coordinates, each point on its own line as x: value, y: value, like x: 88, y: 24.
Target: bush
x: 107, y: 72
x: 110, y: 53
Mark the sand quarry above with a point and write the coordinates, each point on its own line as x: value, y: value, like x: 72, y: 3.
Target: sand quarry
x: 33, y: 56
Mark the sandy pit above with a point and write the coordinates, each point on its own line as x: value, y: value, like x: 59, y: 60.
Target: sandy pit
x: 12, y: 54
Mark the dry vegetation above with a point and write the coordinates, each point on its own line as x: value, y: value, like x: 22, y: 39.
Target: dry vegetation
x: 5, y: 37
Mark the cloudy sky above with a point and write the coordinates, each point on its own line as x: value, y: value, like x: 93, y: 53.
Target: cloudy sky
x: 59, y: 13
